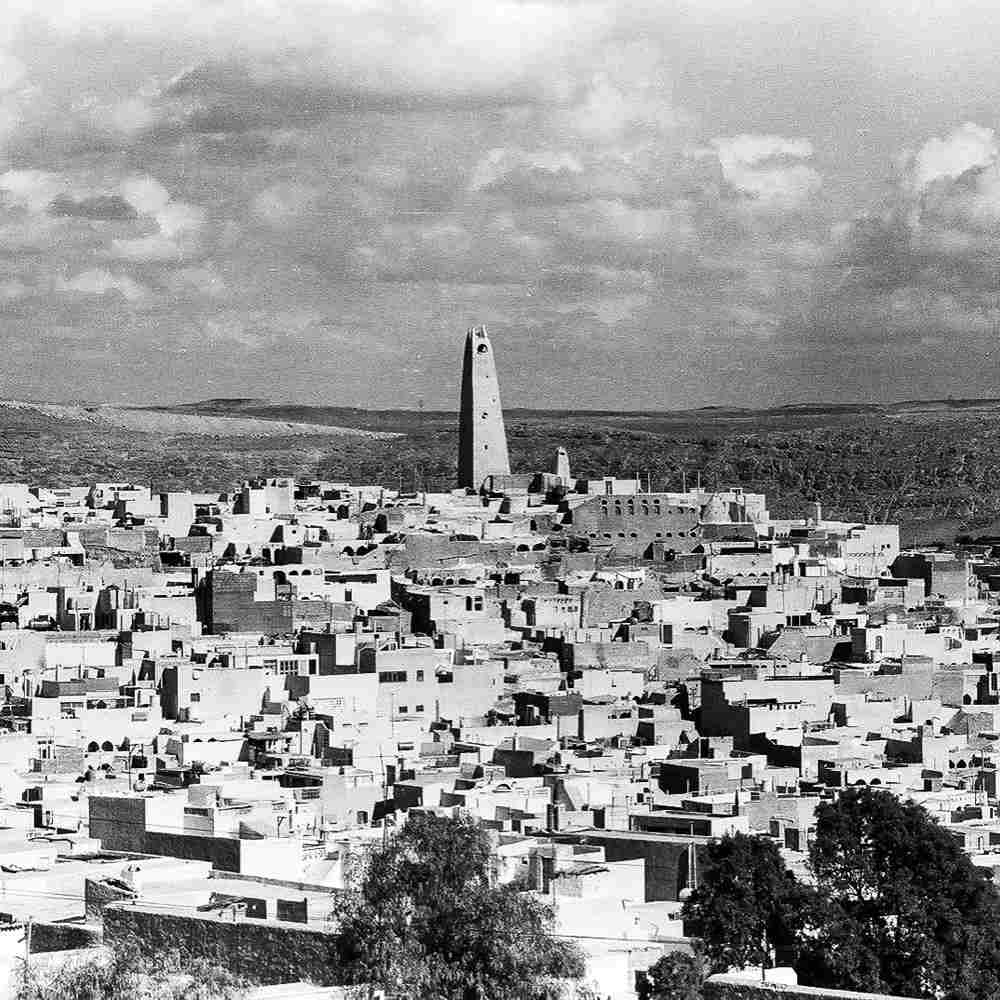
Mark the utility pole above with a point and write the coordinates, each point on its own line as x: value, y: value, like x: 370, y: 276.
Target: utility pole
x: 27, y: 950
x: 385, y: 798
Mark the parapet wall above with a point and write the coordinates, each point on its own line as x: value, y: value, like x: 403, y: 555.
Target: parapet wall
x: 735, y: 988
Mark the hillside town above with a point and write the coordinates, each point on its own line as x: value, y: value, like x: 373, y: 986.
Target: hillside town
x: 217, y: 703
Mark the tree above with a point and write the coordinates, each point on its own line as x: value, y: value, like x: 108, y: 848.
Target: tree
x: 677, y: 976
x: 425, y: 916
x: 747, y: 905
x: 124, y: 975
x: 906, y: 911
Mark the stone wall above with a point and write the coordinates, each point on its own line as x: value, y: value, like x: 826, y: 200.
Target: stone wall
x: 270, y: 952
x: 63, y: 937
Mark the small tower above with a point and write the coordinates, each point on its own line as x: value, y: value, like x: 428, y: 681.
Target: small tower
x: 482, y: 440
x: 562, y: 466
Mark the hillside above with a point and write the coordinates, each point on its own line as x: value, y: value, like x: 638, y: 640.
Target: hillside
x: 932, y: 465
x: 149, y: 420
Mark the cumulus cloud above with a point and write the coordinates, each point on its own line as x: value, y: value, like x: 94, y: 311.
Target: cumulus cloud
x: 966, y: 148
x: 177, y: 222
x: 766, y: 168
x: 915, y: 277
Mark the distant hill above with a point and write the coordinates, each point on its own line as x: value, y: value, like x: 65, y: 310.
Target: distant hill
x: 932, y: 465
x: 151, y: 420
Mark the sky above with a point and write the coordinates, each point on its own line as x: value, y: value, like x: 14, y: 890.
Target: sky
x: 649, y: 205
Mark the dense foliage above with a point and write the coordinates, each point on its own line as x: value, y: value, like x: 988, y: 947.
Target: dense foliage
x: 677, y: 976
x: 124, y: 975
x: 425, y: 915
x: 896, y: 906
x: 906, y: 910
x: 747, y: 905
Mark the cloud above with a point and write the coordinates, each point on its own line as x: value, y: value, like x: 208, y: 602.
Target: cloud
x: 914, y: 279
x: 966, y: 148
x: 101, y: 207
x: 102, y: 282
x: 558, y: 168
x: 177, y: 222
x: 499, y: 166
x: 286, y: 202
x: 145, y: 194
x: 765, y: 169
x: 31, y: 189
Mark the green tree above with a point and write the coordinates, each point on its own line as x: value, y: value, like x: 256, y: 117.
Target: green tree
x: 905, y: 910
x: 747, y: 905
x: 677, y: 976
x: 424, y: 916
x: 117, y: 974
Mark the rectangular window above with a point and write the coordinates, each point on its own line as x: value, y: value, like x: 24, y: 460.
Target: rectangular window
x: 419, y: 708
x: 195, y: 696
x: 402, y: 710
x: 392, y: 677
x: 420, y: 675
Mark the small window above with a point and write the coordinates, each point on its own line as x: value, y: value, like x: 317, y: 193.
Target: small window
x: 420, y: 708
x: 195, y: 696
x: 420, y: 675
x: 402, y: 710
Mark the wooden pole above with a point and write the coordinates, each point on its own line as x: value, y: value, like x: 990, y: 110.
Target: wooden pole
x: 27, y: 951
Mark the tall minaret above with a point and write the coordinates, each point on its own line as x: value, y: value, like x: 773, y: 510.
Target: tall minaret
x: 482, y: 441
